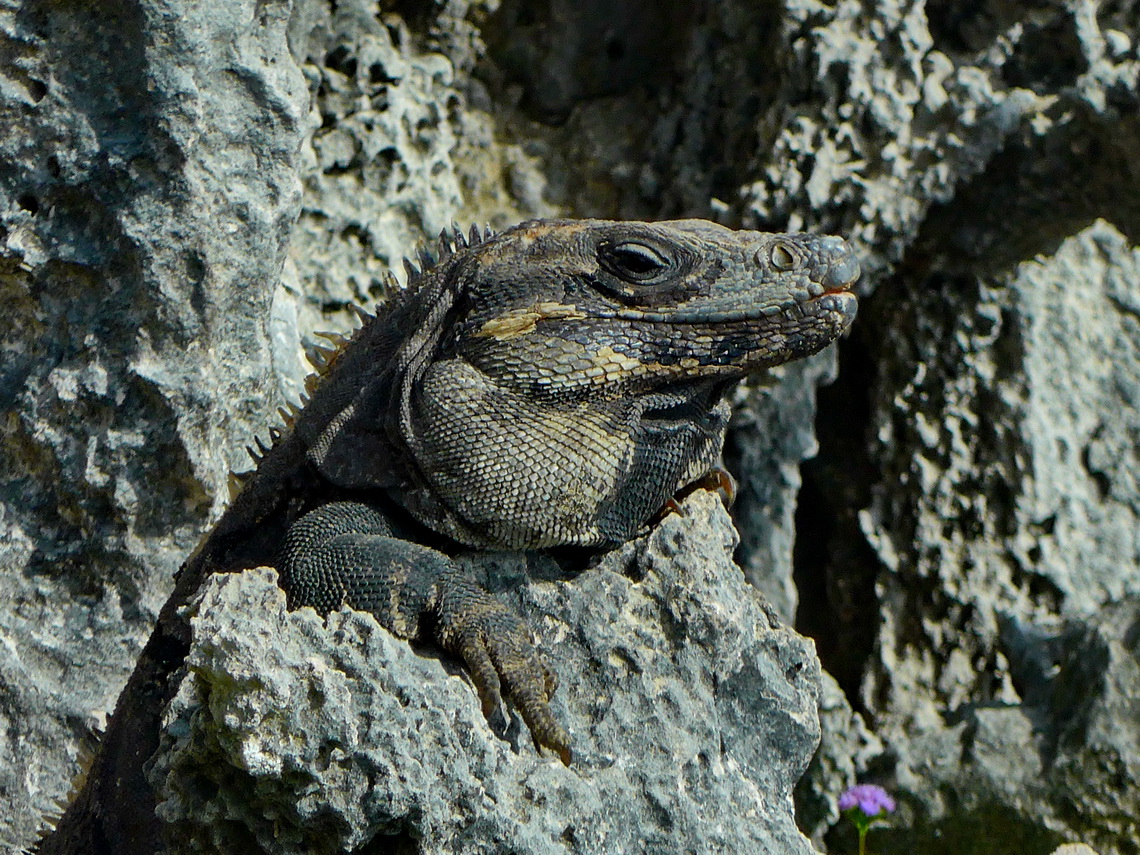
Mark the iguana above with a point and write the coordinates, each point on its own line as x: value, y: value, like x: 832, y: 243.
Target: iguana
x: 554, y: 384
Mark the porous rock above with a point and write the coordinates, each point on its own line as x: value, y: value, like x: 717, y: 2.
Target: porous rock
x: 148, y: 181
x: 974, y: 510
x: 692, y: 713
x: 1008, y: 590
x: 148, y: 185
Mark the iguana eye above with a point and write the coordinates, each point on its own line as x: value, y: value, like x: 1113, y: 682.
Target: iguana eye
x: 634, y: 262
x: 783, y: 256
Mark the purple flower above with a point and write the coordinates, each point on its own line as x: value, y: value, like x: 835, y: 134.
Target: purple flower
x: 869, y: 798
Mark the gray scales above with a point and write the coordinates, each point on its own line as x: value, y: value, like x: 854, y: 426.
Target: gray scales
x: 556, y: 384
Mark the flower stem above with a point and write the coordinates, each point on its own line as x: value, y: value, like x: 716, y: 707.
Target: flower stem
x: 862, y: 840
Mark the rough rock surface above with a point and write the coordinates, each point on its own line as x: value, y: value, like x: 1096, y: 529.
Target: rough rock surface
x: 975, y: 537
x: 1005, y: 669
x: 692, y: 711
x: 177, y: 213
x: 148, y: 186
x: 979, y: 454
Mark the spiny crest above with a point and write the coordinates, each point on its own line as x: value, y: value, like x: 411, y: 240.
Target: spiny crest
x: 321, y: 358
x: 451, y: 241
x: 288, y: 414
x: 85, y: 756
x: 236, y: 481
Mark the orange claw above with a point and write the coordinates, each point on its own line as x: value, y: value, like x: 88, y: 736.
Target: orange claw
x: 720, y: 481
x: 551, y: 736
x: 565, y: 755
x: 717, y: 480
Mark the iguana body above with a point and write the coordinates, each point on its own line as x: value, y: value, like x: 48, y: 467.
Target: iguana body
x: 554, y: 384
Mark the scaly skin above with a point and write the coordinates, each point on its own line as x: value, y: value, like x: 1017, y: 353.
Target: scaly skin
x: 554, y: 384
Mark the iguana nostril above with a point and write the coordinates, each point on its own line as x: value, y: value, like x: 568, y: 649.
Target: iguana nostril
x: 842, y: 272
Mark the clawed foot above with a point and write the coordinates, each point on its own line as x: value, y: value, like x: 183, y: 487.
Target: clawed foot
x: 503, y: 661
x: 718, y: 480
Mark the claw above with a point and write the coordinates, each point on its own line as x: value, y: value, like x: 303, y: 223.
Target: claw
x: 720, y: 481
x: 557, y: 741
x: 503, y: 663
x: 483, y: 673
x: 717, y: 480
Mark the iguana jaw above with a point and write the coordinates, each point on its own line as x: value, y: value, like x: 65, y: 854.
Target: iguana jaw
x: 723, y: 304
x: 635, y: 349
x: 839, y: 303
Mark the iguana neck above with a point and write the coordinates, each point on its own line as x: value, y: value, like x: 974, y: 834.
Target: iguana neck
x: 496, y: 468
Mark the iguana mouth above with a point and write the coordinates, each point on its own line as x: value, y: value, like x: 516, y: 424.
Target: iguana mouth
x: 844, y: 304
x: 525, y: 321
x: 833, y: 299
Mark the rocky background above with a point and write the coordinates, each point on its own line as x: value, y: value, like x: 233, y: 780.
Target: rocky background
x: 188, y: 190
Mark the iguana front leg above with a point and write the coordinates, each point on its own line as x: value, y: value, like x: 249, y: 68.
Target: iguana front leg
x: 346, y: 553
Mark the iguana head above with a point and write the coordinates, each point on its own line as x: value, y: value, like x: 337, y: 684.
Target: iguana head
x: 566, y: 308
x: 557, y: 383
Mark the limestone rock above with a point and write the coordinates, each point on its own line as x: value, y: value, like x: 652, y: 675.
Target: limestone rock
x: 1008, y: 590
x: 189, y: 190
x: 148, y: 186
x: 692, y: 712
